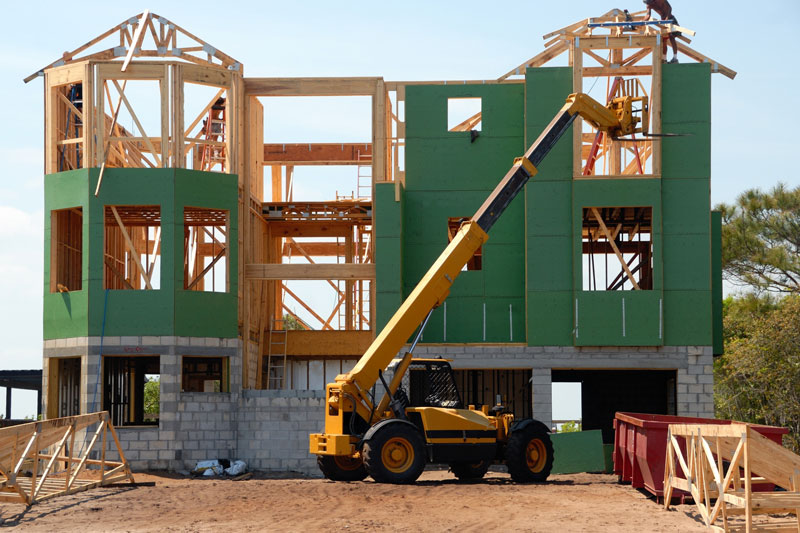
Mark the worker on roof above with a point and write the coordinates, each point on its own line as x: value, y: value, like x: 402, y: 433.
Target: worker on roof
x: 664, y: 11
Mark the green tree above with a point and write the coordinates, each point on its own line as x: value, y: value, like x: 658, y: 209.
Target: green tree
x: 290, y: 322
x: 152, y: 394
x: 570, y: 427
x: 758, y: 378
x: 761, y: 240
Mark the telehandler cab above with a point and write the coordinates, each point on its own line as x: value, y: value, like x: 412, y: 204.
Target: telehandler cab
x: 420, y: 417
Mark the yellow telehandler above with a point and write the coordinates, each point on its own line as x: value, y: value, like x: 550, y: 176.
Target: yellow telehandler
x: 393, y: 437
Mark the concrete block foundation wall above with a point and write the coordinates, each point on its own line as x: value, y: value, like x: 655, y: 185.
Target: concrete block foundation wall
x: 269, y: 428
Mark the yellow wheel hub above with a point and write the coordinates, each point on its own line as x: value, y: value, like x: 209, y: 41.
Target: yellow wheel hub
x: 536, y: 455
x: 397, y: 455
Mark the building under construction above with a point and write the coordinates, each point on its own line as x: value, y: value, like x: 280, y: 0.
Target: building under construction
x: 177, y: 252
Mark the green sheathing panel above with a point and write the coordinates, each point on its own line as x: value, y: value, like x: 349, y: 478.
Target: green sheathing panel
x: 199, y: 313
x: 168, y: 310
x: 548, y: 208
x: 388, y: 227
x: 618, y: 318
x: 66, y: 314
x: 716, y: 280
x: 128, y: 312
x: 686, y: 171
x: 579, y: 451
x: 447, y: 175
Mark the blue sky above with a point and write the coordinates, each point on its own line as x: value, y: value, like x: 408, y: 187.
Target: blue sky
x: 412, y: 40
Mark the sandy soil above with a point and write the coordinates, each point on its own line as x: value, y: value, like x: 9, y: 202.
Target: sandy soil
x: 566, y: 503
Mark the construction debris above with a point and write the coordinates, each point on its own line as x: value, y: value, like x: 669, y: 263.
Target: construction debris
x: 219, y: 467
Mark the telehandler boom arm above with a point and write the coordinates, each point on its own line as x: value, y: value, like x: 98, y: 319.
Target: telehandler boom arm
x: 350, y: 392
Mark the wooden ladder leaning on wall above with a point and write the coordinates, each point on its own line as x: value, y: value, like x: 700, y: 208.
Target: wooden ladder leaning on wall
x: 276, y: 355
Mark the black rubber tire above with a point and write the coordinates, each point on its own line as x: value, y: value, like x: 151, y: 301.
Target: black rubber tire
x: 470, y: 471
x: 341, y: 468
x: 522, y: 465
x: 409, y: 459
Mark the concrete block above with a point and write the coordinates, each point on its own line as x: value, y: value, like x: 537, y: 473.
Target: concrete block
x: 130, y: 341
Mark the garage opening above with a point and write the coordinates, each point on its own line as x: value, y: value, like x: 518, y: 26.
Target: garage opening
x: 604, y: 392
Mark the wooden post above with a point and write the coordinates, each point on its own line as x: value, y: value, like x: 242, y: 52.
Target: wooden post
x: 577, y: 87
x: 748, y: 489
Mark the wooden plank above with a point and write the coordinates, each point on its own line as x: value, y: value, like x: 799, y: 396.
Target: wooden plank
x: 309, y: 271
x: 310, y: 86
x: 606, y: 43
x: 538, y: 60
x: 700, y: 58
x: 316, y: 153
x: 138, y: 36
x: 635, y: 70
x: 327, y: 344
x: 380, y: 122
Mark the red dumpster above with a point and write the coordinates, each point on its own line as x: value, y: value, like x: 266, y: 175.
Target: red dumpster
x: 640, y: 445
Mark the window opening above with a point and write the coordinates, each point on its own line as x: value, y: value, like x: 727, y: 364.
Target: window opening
x: 205, y: 249
x: 132, y: 254
x: 131, y: 389
x: 453, y: 225
x: 69, y: 118
x: 66, y: 235
x: 69, y: 386
x: 206, y: 135
x: 464, y: 114
x: 129, y: 130
x: 617, y: 248
x: 205, y: 374
x: 604, y: 156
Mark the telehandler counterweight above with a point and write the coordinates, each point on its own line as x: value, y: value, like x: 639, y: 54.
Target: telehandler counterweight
x: 392, y: 439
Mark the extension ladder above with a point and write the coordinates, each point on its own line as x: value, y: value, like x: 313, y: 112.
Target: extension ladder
x: 276, y: 356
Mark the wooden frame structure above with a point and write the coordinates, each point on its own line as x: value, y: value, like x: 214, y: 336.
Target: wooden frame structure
x: 92, y: 120
x: 629, y: 43
x: 719, y: 469
x: 62, y: 471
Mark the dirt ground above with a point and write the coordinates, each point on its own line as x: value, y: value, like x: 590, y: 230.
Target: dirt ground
x: 566, y: 503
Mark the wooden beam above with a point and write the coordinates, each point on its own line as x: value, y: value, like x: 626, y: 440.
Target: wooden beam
x: 329, y: 343
x: 310, y: 86
x: 137, y: 39
x: 715, y: 66
x: 317, y: 154
x: 537, y: 60
x: 304, y: 271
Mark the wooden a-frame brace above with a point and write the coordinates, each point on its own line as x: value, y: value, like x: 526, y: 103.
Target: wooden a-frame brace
x: 720, y: 465
x: 53, y: 442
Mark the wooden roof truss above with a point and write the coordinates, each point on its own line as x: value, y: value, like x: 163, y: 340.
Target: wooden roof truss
x: 613, y: 25
x: 146, y: 35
